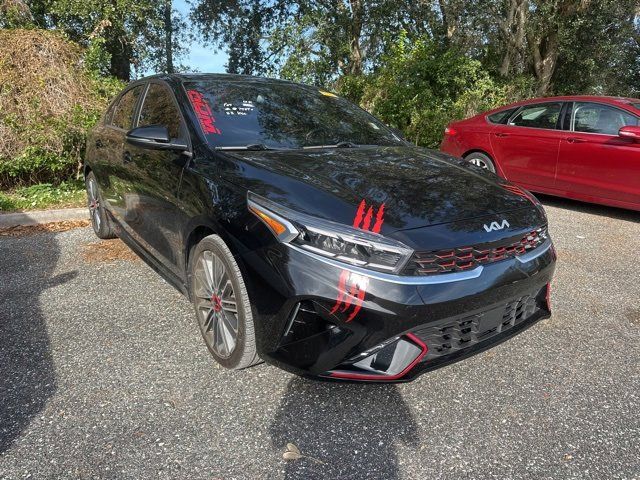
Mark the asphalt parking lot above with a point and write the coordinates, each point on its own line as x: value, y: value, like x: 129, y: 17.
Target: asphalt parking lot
x: 103, y: 374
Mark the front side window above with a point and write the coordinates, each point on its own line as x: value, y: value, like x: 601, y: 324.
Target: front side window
x: 591, y: 117
x: 540, y: 115
x: 123, y: 112
x: 281, y: 115
x: 160, y: 109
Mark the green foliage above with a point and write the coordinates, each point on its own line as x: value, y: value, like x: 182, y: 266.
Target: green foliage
x: 46, y: 195
x: 48, y: 102
x: 15, y: 14
x: 420, y: 87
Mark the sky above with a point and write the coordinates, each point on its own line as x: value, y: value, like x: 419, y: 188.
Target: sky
x: 201, y: 58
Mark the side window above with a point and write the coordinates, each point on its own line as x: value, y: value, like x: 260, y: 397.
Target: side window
x: 160, y: 109
x: 597, y: 118
x: 109, y: 115
x: 501, y: 117
x: 540, y: 115
x: 123, y: 112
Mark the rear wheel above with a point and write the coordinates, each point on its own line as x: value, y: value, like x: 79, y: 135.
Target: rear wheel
x: 222, y: 305
x: 101, y: 223
x: 481, y: 160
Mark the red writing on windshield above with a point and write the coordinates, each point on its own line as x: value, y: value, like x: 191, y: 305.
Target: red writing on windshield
x: 203, y: 112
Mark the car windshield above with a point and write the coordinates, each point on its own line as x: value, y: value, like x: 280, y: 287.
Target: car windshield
x: 276, y: 115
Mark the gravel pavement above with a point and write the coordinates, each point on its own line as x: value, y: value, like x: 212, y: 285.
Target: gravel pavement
x: 103, y: 374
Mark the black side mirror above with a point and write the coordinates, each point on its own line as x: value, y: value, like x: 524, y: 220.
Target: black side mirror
x: 154, y: 137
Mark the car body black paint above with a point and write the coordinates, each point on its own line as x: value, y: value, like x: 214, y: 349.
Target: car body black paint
x: 159, y: 198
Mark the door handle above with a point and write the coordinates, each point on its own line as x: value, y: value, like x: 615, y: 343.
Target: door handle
x: 574, y: 140
x: 501, y: 135
x: 126, y: 157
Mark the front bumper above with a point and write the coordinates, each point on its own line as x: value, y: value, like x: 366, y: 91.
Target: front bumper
x: 319, y: 318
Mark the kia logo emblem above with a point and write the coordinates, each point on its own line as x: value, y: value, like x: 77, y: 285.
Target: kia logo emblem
x: 496, y: 226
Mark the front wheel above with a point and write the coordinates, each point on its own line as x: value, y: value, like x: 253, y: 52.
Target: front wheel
x: 481, y: 160
x: 222, y: 305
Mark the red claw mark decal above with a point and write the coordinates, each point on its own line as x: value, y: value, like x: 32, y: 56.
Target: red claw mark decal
x: 351, y: 291
x: 363, y: 221
x: 203, y: 112
x: 352, y: 287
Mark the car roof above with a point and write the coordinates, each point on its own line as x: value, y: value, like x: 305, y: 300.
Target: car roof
x: 179, y: 78
x: 581, y: 98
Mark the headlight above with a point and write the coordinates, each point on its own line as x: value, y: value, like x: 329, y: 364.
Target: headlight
x: 330, y: 239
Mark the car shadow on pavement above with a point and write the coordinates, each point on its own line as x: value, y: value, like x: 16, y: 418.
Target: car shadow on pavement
x: 346, y: 431
x: 27, y: 378
x: 590, y: 208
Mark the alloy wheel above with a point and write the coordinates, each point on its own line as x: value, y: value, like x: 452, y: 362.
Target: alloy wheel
x: 482, y: 164
x: 94, y: 203
x: 216, y: 304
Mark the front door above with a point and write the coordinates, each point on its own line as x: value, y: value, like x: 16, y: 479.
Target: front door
x: 153, y: 214
x: 594, y: 161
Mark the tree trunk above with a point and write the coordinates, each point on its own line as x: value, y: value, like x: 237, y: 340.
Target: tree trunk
x: 355, y: 31
x: 121, y: 52
x: 513, y: 31
x: 545, y: 59
x: 448, y: 25
x: 168, y: 36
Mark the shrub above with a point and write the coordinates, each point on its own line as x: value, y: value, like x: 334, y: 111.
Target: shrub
x: 420, y: 87
x: 49, y: 99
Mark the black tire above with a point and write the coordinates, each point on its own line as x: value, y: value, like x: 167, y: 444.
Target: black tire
x: 214, y: 323
x: 481, y: 160
x: 102, y: 225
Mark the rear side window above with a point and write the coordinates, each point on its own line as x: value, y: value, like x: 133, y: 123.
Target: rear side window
x: 598, y: 118
x: 160, y: 109
x: 501, y: 117
x: 123, y: 111
x: 539, y: 115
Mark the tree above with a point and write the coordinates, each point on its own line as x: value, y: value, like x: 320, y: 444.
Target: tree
x: 15, y: 14
x: 314, y: 40
x: 140, y: 34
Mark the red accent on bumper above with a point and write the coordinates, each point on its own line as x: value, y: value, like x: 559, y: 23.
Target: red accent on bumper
x: 382, y: 378
x: 548, y: 296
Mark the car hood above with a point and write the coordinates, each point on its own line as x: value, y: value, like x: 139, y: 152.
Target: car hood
x: 418, y: 187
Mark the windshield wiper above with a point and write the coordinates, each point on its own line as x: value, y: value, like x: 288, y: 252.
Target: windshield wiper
x: 251, y: 146
x: 336, y: 145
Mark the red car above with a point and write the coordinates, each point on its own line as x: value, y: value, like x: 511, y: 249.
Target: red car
x: 582, y: 147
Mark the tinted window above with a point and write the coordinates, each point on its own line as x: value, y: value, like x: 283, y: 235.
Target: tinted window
x: 502, y: 116
x: 281, y: 115
x: 597, y: 118
x: 123, y: 113
x: 160, y: 109
x: 540, y: 115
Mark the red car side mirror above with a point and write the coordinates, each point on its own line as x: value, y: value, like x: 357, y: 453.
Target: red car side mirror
x: 630, y: 132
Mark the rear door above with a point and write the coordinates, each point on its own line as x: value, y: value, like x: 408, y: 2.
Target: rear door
x: 594, y: 161
x: 153, y: 214
x: 112, y: 172
x: 526, y: 147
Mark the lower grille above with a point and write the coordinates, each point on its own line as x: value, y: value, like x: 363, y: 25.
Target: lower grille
x: 450, y: 336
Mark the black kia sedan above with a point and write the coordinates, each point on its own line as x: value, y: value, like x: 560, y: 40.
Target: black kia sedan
x: 310, y: 235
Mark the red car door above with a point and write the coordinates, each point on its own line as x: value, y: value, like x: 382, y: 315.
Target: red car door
x: 594, y: 162
x: 526, y: 148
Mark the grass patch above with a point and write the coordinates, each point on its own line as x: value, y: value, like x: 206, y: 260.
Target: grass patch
x: 44, y: 195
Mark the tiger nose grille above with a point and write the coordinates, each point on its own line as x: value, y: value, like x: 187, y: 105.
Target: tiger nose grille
x: 467, y: 258
x: 451, y: 336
